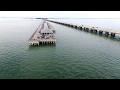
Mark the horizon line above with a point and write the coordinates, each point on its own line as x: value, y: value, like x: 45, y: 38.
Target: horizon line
x: 61, y: 17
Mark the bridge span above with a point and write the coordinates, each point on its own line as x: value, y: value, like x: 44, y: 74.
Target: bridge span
x: 91, y: 29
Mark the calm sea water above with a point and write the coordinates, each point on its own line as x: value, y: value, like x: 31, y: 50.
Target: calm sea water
x: 76, y: 55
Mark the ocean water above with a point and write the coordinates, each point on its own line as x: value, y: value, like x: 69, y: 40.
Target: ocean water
x: 76, y: 55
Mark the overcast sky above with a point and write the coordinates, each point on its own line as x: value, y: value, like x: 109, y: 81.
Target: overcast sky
x: 61, y: 14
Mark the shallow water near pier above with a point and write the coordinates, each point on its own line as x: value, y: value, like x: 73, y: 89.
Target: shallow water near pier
x: 76, y: 55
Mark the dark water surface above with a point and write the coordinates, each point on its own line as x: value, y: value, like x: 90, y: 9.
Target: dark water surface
x: 76, y: 55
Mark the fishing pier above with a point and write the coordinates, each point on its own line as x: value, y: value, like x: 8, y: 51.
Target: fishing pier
x: 44, y: 34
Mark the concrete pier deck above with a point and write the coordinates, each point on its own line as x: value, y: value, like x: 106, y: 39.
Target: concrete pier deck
x: 51, y: 27
x: 43, y: 35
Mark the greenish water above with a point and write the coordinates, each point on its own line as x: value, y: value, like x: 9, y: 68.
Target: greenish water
x: 76, y: 55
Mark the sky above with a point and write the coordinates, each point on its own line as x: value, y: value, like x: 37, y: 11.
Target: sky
x: 61, y: 14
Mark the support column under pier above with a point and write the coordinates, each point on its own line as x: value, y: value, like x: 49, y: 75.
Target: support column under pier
x: 95, y: 31
x: 31, y: 44
x: 112, y: 34
x: 91, y: 30
x: 87, y: 29
x: 80, y: 28
x: 84, y: 29
x: 100, y: 32
x: 72, y: 26
x: 106, y: 33
x: 36, y: 44
x: 76, y: 27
